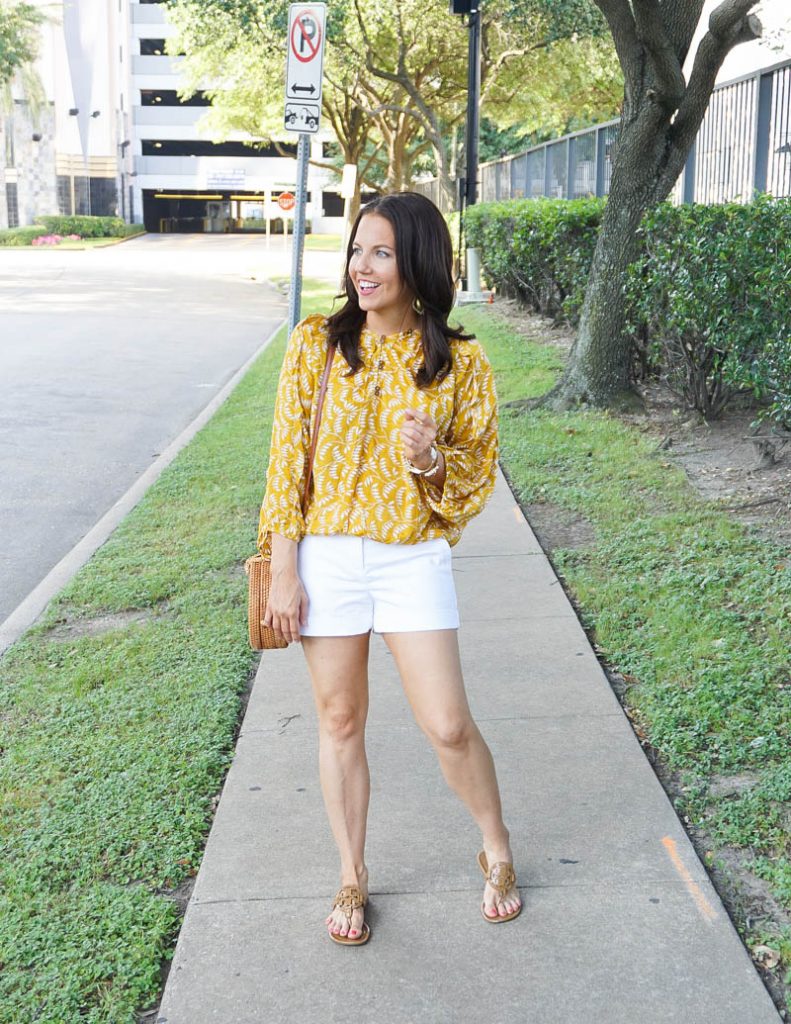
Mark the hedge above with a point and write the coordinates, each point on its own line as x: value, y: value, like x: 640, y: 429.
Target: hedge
x: 89, y: 227
x: 21, y: 236
x: 539, y: 250
x: 710, y: 294
x: 85, y: 227
x: 707, y: 297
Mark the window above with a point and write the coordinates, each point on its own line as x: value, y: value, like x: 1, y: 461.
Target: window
x: 152, y: 47
x: 12, y: 204
x: 202, y: 147
x: 169, y: 98
x: 331, y: 204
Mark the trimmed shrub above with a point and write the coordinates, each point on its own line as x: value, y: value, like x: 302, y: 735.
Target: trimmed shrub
x: 770, y: 377
x: 709, y: 292
x: 21, y: 236
x: 89, y: 227
x: 538, y: 249
x: 707, y: 297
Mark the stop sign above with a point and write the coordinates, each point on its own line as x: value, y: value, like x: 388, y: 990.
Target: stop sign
x: 286, y: 200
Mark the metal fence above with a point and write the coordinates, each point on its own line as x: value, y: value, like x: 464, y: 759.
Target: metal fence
x: 743, y: 147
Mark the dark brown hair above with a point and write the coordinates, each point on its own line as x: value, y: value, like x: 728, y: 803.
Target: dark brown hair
x: 424, y: 257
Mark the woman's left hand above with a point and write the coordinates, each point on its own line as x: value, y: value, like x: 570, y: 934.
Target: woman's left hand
x: 418, y: 433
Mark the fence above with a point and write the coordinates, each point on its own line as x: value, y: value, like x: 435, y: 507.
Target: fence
x: 743, y: 147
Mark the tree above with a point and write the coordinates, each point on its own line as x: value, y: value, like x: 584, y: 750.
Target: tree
x: 573, y: 83
x: 238, y: 48
x: 395, y: 74
x: 19, y: 42
x: 415, y: 47
x: 662, y: 113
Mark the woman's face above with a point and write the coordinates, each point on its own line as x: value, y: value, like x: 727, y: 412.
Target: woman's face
x: 374, y: 273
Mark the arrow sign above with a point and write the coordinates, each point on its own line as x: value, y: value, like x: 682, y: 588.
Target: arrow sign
x: 305, y: 64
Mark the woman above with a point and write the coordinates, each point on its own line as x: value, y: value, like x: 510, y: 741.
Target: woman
x: 406, y: 456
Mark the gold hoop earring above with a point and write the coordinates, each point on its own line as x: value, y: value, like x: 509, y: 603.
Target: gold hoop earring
x: 418, y: 306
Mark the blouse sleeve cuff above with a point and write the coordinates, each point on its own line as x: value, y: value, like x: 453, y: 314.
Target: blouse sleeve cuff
x: 444, y: 500
x: 291, y: 530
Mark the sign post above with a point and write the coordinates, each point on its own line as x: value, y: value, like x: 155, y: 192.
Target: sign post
x: 302, y: 114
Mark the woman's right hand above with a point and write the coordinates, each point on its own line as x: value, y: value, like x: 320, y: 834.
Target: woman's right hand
x: 287, y: 607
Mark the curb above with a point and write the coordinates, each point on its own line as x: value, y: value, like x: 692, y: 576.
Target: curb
x: 26, y: 613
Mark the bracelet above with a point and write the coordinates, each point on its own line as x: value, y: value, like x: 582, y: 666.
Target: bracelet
x: 430, y: 472
x: 432, y: 469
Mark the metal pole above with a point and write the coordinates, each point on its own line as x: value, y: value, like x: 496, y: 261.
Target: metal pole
x: 298, y: 236
x: 473, y: 100
x: 690, y: 170
x: 763, y: 132
x: 470, y: 196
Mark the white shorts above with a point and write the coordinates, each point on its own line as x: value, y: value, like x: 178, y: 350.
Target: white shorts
x: 355, y: 584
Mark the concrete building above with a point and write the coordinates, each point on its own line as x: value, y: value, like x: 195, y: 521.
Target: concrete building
x: 115, y: 138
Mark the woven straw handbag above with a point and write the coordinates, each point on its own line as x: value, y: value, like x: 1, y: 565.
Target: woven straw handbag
x: 259, y: 569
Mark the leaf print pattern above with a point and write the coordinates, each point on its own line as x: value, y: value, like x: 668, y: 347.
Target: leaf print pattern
x: 361, y: 482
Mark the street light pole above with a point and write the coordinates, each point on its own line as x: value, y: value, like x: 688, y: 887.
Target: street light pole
x: 473, y: 101
x: 469, y: 192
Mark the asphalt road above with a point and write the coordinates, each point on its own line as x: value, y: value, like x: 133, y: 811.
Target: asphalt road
x: 105, y: 357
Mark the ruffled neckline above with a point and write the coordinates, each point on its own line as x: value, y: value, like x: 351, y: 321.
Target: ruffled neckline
x: 413, y: 333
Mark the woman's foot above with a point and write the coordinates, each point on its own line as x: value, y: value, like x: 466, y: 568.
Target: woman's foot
x: 503, y: 900
x: 338, y: 920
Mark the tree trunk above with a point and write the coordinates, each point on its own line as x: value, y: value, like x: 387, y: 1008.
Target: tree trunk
x: 599, y: 365
x: 447, y: 191
x: 598, y: 372
x: 662, y: 115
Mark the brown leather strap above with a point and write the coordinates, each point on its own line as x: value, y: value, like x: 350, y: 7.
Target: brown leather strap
x: 314, y: 440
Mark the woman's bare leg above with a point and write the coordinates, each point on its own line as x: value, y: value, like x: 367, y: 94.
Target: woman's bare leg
x: 430, y: 669
x: 338, y: 667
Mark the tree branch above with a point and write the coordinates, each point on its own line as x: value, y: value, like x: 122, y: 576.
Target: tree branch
x: 619, y: 17
x: 497, y: 65
x: 652, y: 33
x: 729, y: 25
x: 725, y: 18
x: 374, y: 111
x: 681, y: 21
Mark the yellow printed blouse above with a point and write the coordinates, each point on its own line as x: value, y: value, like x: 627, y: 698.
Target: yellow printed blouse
x: 361, y: 482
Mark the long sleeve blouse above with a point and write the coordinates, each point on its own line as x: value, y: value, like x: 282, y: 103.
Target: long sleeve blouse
x: 361, y: 483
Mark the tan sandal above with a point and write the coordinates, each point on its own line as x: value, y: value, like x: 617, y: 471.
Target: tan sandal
x: 502, y: 877
x: 350, y: 898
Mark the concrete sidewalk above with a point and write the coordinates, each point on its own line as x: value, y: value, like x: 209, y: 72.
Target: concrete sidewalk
x: 621, y: 924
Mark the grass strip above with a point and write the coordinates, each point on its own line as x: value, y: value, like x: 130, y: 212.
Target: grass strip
x: 118, y: 712
x: 693, y: 608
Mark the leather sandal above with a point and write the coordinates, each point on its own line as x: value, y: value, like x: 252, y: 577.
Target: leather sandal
x: 502, y: 877
x: 350, y: 898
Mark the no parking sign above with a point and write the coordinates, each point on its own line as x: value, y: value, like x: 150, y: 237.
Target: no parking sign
x: 304, y: 66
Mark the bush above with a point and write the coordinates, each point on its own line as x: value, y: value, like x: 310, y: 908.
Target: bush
x: 21, y: 236
x: 710, y: 293
x: 538, y: 249
x: 707, y: 306
x: 770, y: 378
x: 89, y: 227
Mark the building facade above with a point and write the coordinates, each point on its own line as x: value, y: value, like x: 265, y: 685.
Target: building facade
x: 115, y: 139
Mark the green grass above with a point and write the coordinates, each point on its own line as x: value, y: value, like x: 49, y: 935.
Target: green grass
x: 112, y: 746
x: 691, y: 606
x: 323, y: 243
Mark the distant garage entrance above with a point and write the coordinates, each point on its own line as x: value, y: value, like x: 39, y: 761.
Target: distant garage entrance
x: 213, y: 212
